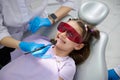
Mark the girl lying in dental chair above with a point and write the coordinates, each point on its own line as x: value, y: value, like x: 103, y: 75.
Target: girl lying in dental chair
x: 54, y: 62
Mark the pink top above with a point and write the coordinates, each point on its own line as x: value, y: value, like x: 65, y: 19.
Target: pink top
x: 28, y: 67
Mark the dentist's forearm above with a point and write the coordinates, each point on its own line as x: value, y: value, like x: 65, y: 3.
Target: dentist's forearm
x: 62, y: 11
x: 10, y: 42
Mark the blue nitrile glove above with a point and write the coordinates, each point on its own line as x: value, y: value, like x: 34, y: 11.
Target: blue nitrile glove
x: 29, y: 46
x: 37, y: 23
x: 41, y: 53
x: 112, y: 75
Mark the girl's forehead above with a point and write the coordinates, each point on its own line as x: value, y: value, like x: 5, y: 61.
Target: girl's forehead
x: 75, y: 25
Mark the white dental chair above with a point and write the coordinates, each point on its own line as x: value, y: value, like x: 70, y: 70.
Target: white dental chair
x: 94, y: 68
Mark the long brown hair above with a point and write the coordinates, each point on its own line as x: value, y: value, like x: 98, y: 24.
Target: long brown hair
x: 88, y: 33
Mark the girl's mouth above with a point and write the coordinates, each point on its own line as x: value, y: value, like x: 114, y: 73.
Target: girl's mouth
x: 60, y: 39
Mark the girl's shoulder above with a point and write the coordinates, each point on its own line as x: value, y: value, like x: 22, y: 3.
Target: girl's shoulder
x: 69, y: 62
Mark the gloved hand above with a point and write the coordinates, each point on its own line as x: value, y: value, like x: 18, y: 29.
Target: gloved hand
x: 37, y: 23
x: 40, y: 53
x: 31, y: 46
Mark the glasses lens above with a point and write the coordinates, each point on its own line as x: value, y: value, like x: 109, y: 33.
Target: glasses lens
x: 61, y: 27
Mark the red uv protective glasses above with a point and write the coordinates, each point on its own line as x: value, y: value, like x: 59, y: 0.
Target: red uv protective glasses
x: 71, y: 33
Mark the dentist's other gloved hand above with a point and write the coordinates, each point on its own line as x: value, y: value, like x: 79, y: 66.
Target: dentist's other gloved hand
x: 38, y: 22
x: 31, y: 46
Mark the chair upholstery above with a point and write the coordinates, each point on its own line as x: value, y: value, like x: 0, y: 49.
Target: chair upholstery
x: 94, y: 68
x: 93, y: 12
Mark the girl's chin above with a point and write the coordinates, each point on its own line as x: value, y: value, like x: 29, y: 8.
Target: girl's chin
x: 60, y: 44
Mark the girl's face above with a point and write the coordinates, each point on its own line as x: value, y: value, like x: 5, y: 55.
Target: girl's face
x: 69, y: 36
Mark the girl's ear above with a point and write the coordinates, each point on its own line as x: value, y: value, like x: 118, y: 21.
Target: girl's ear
x: 79, y: 46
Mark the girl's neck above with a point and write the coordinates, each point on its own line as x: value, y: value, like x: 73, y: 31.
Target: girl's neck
x: 59, y: 52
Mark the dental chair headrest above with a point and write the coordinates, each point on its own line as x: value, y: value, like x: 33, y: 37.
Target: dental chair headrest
x: 93, y: 12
